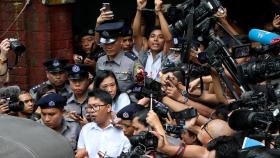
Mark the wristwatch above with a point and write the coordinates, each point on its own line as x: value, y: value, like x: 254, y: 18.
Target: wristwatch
x: 184, y: 92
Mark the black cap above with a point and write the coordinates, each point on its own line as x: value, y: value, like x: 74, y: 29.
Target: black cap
x: 109, y: 31
x: 77, y: 71
x: 52, y: 100
x: 126, y: 31
x: 55, y: 65
x: 127, y: 112
x: 86, y: 31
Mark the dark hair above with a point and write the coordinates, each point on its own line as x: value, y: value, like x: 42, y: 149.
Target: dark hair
x: 104, y: 96
x: 177, y: 72
x: 142, y: 115
x: 101, y: 75
x: 150, y: 30
x: 225, y: 146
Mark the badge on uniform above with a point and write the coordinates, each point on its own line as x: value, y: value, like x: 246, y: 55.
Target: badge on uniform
x: 90, y: 31
x: 125, y: 115
x: 55, y: 63
x: 105, y: 33
x: 76, y: 68
x: 51, y: 103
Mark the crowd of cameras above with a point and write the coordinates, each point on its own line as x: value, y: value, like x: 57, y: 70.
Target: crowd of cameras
x: 256, y: 111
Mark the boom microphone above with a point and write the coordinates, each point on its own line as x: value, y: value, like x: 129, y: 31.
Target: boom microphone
x: 237, y: 119
x: 263, y: 37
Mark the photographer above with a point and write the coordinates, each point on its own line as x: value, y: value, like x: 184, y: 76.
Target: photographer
x: 215, y: 146
x: 4, y: 71
x: 28, y: 103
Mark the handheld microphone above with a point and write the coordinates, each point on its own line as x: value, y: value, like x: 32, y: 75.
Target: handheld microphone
x: 263, y: 37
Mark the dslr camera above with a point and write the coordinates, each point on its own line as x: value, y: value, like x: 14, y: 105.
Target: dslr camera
x: 16, y: 46
x: 145, y: 139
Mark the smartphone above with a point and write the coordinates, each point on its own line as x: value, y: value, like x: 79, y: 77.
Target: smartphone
x: 106, y: 6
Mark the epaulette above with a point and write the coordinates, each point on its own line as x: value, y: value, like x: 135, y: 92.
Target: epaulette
x: 35, y: 88
x: 100, y: 54
x: 131, y: 55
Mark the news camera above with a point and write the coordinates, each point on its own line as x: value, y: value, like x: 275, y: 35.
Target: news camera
x: 204, y: 9
x: 10, y: 95
x: 144, y: 139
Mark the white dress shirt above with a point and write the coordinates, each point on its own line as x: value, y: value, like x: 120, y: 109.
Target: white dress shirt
x: 153, y: 67
x: 110, y: 141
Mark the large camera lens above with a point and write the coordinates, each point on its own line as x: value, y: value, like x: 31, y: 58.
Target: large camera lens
x: 16, y: 46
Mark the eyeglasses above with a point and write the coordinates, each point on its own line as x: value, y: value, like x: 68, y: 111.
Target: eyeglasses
x: 203, y: 127
x: 94, y: 107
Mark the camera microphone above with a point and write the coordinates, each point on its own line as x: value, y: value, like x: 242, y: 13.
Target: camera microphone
x: 237, y: 119
x: 263, y: 37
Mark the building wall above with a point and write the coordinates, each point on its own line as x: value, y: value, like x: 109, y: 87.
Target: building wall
x: 46, y: 31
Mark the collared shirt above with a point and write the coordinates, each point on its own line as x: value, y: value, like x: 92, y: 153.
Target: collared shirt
x: 74, y: 105
x: 123, y: 67
x: 70, y: 130
x: 122, y: 101
x: 64, y: 91
x: 109, y: 141
x: 153, y: 66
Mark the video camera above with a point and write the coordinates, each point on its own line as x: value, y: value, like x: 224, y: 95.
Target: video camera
x: 203, y: 10
x: 146, y: 140
x: 260, y: 70
x: 16, y: 46
x: 10, y: 94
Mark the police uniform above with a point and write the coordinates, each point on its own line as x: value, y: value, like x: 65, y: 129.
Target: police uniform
x: 128, y: 111
x: 76, y: 72
x: 53, y: 65
x: 70, y: 130
x: 125, y: 64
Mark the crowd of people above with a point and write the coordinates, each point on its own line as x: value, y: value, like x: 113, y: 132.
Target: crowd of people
x: 126, y: 94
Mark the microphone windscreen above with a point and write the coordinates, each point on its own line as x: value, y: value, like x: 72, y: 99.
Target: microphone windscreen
x: 238, y: 119
x: 263, y: 37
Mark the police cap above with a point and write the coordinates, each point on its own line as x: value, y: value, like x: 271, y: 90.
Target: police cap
x: 77, y: 71
x: 86, y: 32
x: 109, y: 31
x: 127, y: 112
x: 55, y: 65
x: 52, y: 100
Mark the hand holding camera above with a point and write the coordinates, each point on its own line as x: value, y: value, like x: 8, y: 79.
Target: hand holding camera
x: 4, y: 108
x: 106, y: 13
x: 5, y: 47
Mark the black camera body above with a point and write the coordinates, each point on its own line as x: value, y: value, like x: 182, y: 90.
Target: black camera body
x: 15, y: 105
x: 145, y: 139
x: 258, y: 71
x: 16, y: 46
x: 203, y: 10
x: 10, y: 95
x: 175, y: 129
x: 185, y: 114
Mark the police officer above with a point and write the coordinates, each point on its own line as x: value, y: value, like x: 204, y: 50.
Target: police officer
x: 52, y: 108
x: 57, y: 77
x: 88, y: 51
x: 123, y: 64
x: 78, y: 75
x: 126, y: 116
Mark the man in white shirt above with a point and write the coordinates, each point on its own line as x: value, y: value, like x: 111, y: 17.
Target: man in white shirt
x: 100, y: 138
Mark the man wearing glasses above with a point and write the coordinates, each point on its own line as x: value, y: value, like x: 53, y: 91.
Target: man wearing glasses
x: 100, y: 138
